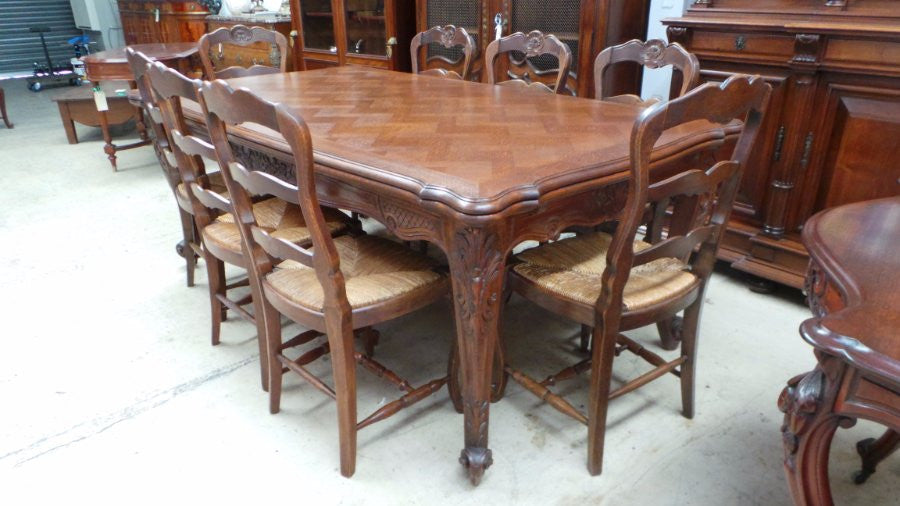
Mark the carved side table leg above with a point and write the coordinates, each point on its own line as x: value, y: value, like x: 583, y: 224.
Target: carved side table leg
x: 874, y: 451
x: 477, y: 259
x: 109, y: 148
x: 809, y: 426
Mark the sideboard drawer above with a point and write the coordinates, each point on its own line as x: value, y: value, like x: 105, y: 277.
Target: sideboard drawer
x: 739, y: 45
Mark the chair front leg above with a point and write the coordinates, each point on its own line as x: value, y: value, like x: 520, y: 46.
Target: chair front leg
x: 343, y: 363
x: 603, y: 346
x: 689, y: 334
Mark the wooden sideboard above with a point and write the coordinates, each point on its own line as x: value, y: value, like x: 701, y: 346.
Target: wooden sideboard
x: 150, y: 21
x: 259, y: 53
x: 586, y: 26
x: 832, y: 129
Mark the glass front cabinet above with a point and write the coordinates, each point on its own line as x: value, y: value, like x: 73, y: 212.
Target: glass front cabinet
x: 375, y: 33
x: 586, y: 26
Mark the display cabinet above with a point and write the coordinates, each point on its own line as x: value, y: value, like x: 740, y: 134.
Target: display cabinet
x: 375, y: 33
x: 149, y: 21
x: 586, y: 26
x: 831, y: 131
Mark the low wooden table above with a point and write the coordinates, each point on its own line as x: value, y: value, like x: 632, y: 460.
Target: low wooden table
x: 77, y: 105
x: 853, y: 292
x: 113, y: 65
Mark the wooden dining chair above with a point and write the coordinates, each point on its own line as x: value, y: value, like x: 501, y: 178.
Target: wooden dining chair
x: 213, y: 213
x: 521, y: 49
x: 613, y: 282
x: 189, y: 247
x: 652, y: 54
x: 451, y: 39
x: 338, y: 287
x: 211, y: 47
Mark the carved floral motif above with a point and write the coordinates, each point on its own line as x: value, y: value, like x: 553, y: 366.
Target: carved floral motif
x: 448, y: 34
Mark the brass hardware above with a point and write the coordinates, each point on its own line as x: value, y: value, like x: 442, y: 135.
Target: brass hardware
x: 779, y: 143
x: 740, y: 42
x: 390, y: 46
x: 294, y: 34
x: 807, y: 150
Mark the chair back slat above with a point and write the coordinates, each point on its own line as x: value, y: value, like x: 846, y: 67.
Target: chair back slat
x: 533, y: 44
x: 139, y: 63
x: 449, y: 37
x: 693, y: 206
x: 281, y: 249
x: 227, y: 107
x: 240, y: 35
x: 170, y: 88
x: 674, y: 247
x: 261, y: 183
x: 651, y: 54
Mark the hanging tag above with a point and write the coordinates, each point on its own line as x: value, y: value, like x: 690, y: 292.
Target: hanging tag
x: 100, y: 99
x: 156, y: 15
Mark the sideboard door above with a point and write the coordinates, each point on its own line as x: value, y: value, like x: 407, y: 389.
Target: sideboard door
x: 857, y: 144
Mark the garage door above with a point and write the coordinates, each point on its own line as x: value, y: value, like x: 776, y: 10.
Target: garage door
x: 19, y: 47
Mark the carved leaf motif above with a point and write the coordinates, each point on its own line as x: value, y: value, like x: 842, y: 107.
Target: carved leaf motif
x: 241, y: 34
x: 401, y: 220
x: 447, y: 35
x: 534, y: 43
x: 651, y: 54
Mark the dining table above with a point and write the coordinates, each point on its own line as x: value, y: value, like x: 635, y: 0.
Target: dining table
x: 851, y: 289
x: 472, y: 168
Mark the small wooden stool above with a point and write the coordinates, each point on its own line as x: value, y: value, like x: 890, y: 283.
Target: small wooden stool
x: 3, y: 110
x: 77, y: 104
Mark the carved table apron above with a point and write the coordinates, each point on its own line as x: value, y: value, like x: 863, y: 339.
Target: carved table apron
x: 852, y: 290
x: 455, y: 164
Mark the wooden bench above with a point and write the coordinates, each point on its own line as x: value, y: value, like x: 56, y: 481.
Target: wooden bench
x: 77, y: 104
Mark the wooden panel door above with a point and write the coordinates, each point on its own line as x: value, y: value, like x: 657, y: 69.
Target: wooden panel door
x: 856, y: 149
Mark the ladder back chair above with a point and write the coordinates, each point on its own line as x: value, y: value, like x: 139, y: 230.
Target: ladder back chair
x: 520, y: 48
x: 613, y: 283
x: 450, y: 38
x: 339, y: 287
x: 189, y: 247
x: 651, y: 54
x: 241, y: 35
x: 213, y: 212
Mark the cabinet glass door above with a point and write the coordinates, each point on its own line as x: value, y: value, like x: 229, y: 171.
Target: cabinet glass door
x: 366, y: 28
x: 561, y: 18
x: 461, y: 14
x: 318, y: 25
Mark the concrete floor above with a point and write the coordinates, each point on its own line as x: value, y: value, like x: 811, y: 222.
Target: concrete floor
x: 111, y: 392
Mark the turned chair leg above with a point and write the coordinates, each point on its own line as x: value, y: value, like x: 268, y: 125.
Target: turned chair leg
x: 689, y: 334
x: 187, y: 232
x: 215, y: 270
x: 3, y: 110
x: 343, y: 364
x: 603, y: 347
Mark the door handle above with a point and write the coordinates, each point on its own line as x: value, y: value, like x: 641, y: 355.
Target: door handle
x: 390, y: 46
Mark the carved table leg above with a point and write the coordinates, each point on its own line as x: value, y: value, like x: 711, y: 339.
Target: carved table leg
x: 874, y: 451
x: 809, y: 426
x: 477, y: 259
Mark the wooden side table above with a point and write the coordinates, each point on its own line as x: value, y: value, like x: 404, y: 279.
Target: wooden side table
x: 3, y: 109
x: 77, y: 105
x: 852, y: 287
x: 113, y: 65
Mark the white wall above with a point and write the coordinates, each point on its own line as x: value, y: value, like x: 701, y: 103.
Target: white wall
x: 656, y: 81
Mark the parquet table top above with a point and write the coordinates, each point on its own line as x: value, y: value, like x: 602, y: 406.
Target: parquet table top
x: 475, y: 147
